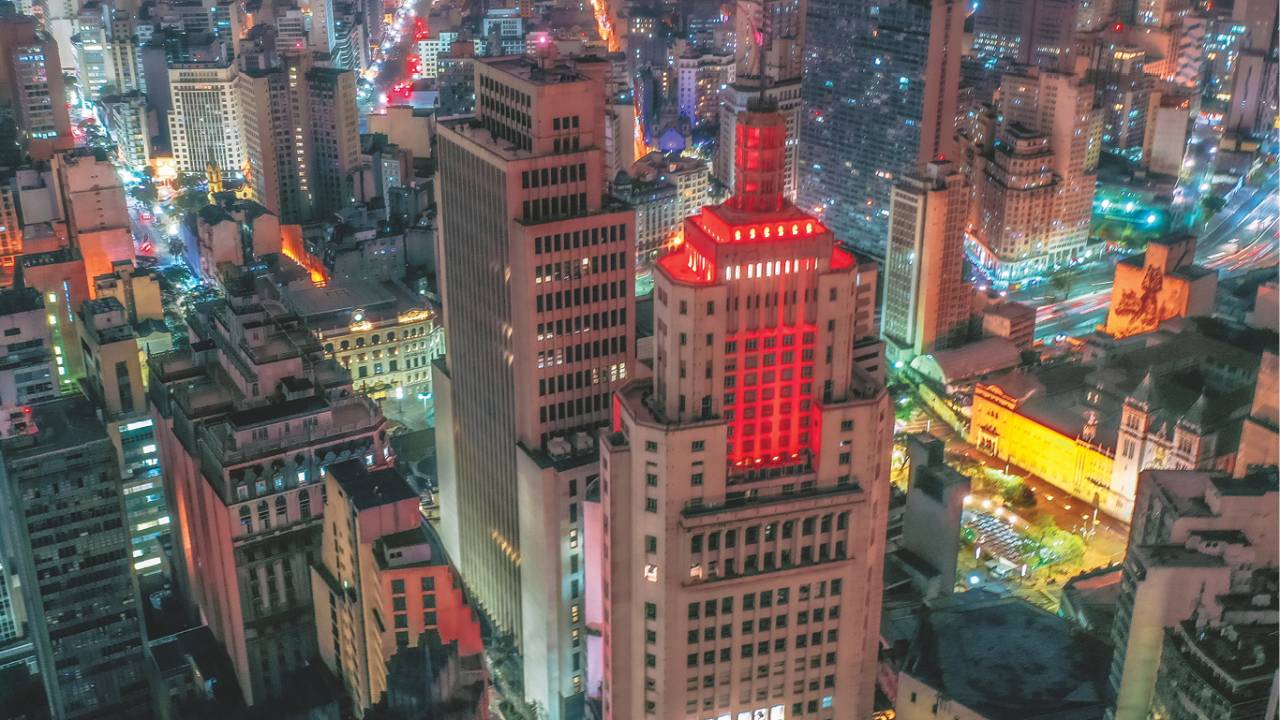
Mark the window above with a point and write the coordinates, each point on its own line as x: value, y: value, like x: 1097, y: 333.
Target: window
x: 698, y: 445
x: 650, y: 505
x: 696, y: 479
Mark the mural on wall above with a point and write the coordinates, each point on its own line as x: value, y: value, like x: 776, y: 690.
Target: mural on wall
x: 1141, y: 309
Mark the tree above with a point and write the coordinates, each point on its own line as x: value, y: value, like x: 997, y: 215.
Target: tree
x: 1062, y: 281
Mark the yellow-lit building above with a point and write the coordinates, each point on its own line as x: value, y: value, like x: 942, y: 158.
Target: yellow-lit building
x: 1006, y: 424
x: 384, y: 333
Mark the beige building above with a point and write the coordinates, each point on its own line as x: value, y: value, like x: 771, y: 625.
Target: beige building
x: 275, y: 117
x: 926, y: 300
x: 248, y: 420
x: 1036, y: 194
x: 205, y: 126
x: 383, y: 333
x: 537, y: 273
x: 744, y: 487
x: 700, y: 78
x: 90, y: 191
x: 335, y: 136
x: 1196, y: 542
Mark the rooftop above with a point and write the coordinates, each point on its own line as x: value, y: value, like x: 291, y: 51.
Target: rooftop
x: 1008, y: 660
x: 368, y: 489
x: 64, y: 424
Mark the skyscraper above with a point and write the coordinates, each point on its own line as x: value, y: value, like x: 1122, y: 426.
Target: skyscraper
x: 1028, y: 32
x: 745, y: 486
x: 204, y: 125
x: 334, y: 125
x: 926, y: 301
x: 248, y: 419
x: 275, y: 111
x: 537, y: 276
x: 64, y: 520
x: 880, y: 91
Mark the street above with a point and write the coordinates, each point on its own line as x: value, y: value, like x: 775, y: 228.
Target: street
x: 1240, y: 238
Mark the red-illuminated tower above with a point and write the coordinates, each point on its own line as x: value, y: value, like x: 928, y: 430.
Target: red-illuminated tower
x: 745, y: 485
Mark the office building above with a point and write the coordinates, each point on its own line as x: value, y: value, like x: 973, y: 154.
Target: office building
x: 204, y: 123
x: 744, y: 488
x: 1220, y: 670
x: 63, y: 518
x: 862, y: 130
x: 335, y: 136
x: 115, y: 382
x: 926, y: 300
x: 383, y: 584
x: 1198, y: 545
x: 537, y: 273
x: 276, y: 118
x: 32, y: 86
x: 248, y: 419
x: 1035, y: 184
x: 58, y: 274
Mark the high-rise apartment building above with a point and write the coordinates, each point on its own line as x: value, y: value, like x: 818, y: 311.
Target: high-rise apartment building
x: 248, y: 418
x: 125, y: 116
x: 536, y: 269
x: 1035, y: 186
x: 31, y: 75
x: 63, y: 518
x: 881, y: 87
x: 700, y: 78
x: 334, y: 123
x: 204, y: 124
x: 744, y: 487
x: 1122, y: 89
x: 926, y: 301
x: 276, y: 117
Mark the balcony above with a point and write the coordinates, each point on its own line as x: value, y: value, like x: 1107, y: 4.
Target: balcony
x: 750, y: 500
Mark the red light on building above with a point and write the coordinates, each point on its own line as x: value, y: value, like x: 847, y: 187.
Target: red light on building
x: 420, y: 30
x: 1117, y: 27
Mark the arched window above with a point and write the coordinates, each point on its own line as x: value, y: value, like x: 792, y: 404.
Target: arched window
x: 264, y: 515
x: 304, y: 504
x: 246, y: 519
x: 282, y: 509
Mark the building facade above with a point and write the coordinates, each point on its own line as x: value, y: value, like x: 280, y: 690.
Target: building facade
x: 82, y: 607
x: 204, y: 124
x: 926, y: 301
x: 743, y: 487
x: 862, y: 130
x: 537, y: 272
x: 248, y: 418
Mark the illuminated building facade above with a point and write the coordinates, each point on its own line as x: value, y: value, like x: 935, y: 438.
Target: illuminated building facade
x: 744, y: 487
x: 383, y: 582
x: 59, y: 274
x: 1158, y: 285
x: 1122, y: 90
x: 125, y: 116
x: 862, y: 130
x: 384, y: 334
x: 926, y: 300
x: 205, y: 124
x: 114, y: 381
x: 1176, y: 400
x: 248, y: 418
x: 700, y: 78
x: 537, y: 272
x: 335, y: 135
